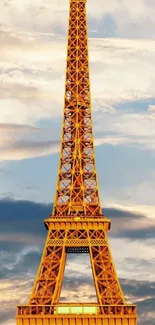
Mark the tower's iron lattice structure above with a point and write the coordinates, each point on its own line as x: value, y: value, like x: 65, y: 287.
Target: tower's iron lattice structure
x: 77, y: 223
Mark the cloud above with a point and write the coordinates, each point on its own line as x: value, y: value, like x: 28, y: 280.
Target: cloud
x: 134, y: 231
x: 26, y: 218
x: 30, y: 215
x: 13, y: 292
x: 130, y: 20
x: 23, y: 217
x: 33, y: 89
x: 25, y: 150
x: 22, y: 142
x: 130, y: 224
x: 21, y: 92
x: 112, y: 127
x: 128, y: 126
x: 19, y: 263
x: 23, y: 287
x: 22, y: 237
x: 18, y: 142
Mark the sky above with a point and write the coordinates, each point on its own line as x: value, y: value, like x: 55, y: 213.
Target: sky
x: 33, y: 39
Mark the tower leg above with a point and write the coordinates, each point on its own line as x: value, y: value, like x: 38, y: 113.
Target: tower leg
x: 105, y: 278
x: 47, y: 287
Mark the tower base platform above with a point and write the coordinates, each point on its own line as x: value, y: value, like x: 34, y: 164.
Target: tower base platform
x: 74, y: 314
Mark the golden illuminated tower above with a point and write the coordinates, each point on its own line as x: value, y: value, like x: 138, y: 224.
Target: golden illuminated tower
x: 77, y: 223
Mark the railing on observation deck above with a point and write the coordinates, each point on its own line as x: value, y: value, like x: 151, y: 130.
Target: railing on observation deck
x: 77, y: 309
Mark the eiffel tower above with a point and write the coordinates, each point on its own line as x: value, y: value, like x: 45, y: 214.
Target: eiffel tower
x: 77, y: 224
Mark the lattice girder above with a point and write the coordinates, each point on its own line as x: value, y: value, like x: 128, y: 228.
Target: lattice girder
x: 77, y: 188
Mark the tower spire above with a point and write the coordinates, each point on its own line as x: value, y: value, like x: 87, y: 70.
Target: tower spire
x: 77, y: 189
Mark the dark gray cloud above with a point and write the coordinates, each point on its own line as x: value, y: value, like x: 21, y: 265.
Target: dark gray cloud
x: 27, y: 217
x: 19, y: 263
x: 22, y: 236
x: 143, y: 295
x: 23, y: 216
x: 138, y: 289
x: 118, y: 213
x: 123, y: 221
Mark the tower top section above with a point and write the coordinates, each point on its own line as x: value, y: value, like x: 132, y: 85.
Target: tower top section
x: 77, y: 188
